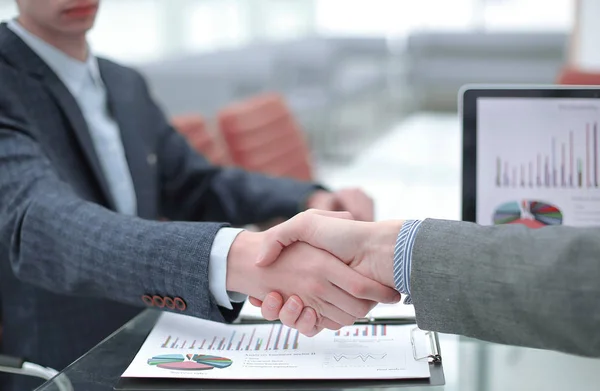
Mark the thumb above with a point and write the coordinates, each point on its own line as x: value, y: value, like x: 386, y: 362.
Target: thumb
x: 297, y: 229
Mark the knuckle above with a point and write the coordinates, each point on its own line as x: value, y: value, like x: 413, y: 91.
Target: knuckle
x: 358, y: 289
x: 317, y: 289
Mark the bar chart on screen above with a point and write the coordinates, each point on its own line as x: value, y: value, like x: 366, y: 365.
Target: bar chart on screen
x: 570, y: 161
x: 538, y: 162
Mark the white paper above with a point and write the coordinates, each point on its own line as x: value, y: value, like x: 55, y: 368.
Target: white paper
x: 184, y: 347
x: 381, y: 311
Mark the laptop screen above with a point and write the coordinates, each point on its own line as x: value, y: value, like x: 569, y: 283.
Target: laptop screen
x: 538, y: 161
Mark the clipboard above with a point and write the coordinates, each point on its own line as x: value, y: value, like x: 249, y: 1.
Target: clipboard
x: 432, y: 354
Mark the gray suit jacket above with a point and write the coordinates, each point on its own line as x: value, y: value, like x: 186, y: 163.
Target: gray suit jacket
x: 71, y: 269
x: 510, y: 284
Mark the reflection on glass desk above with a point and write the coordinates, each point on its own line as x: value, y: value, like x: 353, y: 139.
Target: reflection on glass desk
x: 468, y: 364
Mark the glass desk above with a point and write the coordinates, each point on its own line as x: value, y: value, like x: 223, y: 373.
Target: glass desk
x: 468, y: 365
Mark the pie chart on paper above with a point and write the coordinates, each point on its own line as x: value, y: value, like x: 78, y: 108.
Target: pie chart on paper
x: 533, y: 214
x: 189, y: 362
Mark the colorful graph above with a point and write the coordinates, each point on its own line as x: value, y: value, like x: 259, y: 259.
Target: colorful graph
x: 362, y: 331
x: 189, y: 362
x: 533, y: 214
x: 571, y: 162
x: 280, y: 337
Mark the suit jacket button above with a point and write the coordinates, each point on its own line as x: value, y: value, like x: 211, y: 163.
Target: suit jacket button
x: 180, y: 304
x: 151, y: 159
x: 158, y: 301
x: 169, y: 303
x: 147, y: 299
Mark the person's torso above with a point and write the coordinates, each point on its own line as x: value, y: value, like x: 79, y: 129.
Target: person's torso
x: 47, y: 328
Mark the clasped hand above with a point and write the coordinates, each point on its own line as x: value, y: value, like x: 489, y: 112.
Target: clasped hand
x: 327, y: 268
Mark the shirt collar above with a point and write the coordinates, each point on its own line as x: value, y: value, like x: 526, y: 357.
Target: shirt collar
x: 71, y: 72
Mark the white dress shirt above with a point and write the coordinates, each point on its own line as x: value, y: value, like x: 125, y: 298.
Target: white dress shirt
x: 84, y: 82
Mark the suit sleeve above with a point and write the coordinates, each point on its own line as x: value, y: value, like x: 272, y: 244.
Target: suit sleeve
x: 509, y: 284
x: 57, y: 241
x: 193, y: 189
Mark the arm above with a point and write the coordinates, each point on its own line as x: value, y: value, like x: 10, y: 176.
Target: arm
x: 55, y: 240
x: 195, y: 190
x: 506, y: 284
x: 509, y: 284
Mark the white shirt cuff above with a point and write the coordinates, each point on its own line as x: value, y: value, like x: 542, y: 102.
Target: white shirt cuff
x: 217, y: 268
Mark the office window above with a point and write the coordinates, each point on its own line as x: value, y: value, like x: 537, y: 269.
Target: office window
x: 399, y: 17
x: 213, y: 24
x: 8, y: 10
x: 382, y: 17
x: 128, y: 30
x: 542, y: 15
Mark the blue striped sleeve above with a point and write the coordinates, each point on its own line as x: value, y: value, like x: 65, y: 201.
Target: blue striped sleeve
x: 403, y: 257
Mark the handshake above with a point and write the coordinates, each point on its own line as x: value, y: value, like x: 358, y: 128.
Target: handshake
x: 318, y: 270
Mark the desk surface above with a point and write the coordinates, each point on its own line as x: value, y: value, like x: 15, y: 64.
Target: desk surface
x: 468, y: 364
x: 412, y: 172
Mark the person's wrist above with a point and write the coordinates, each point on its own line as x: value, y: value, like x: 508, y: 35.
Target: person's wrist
x: 241, y: 263
x: 381, y: 245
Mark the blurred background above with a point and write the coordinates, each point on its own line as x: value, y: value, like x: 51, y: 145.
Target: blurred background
x: 306, y: 88
x: 348, y: 71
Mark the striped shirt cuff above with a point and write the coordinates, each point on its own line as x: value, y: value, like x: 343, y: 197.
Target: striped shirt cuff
x: 403, y: 257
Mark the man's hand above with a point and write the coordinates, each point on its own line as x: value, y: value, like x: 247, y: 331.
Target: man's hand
x: 354, y: 201
x: 366, y: 247
x: 320, y: 280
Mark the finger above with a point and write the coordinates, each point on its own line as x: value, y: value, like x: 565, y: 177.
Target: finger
x: 255, y: 302
x: 291, y: 311
x: 307, y: 322
x: 360, y: 286
x: 313, y: 332
x: 298, y: 228
x: 272, y: 306
x: 334, y: 313
x: 357, y: 308
x: 328, y: 324
x: 358, y: 203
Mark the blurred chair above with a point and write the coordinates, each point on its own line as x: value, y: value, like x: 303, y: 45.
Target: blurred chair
x: 572, y: 76
x: 262, y: 136
x: 195, y: 130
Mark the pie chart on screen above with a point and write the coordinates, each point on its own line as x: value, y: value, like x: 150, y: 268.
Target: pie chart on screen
x: 533, y: 214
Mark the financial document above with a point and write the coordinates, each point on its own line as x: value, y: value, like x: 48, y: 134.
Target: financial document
x: 180, y: 346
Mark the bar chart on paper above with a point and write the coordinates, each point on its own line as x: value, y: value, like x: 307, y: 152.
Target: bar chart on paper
x: 274, y: 351
x: 279, y: 337
x: 570, y: 161
x: 363, y: 331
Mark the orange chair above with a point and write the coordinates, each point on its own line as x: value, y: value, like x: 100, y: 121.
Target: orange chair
x: 572, y: 76
x: 263, y: 136
x: 194, y: 129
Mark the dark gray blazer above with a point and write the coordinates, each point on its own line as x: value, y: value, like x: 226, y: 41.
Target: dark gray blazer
x: 71, y: 269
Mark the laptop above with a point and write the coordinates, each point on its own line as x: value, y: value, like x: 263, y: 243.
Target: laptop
x: 531, y: 155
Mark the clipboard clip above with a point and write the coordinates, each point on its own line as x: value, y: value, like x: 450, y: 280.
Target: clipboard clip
x: 435, y: 355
